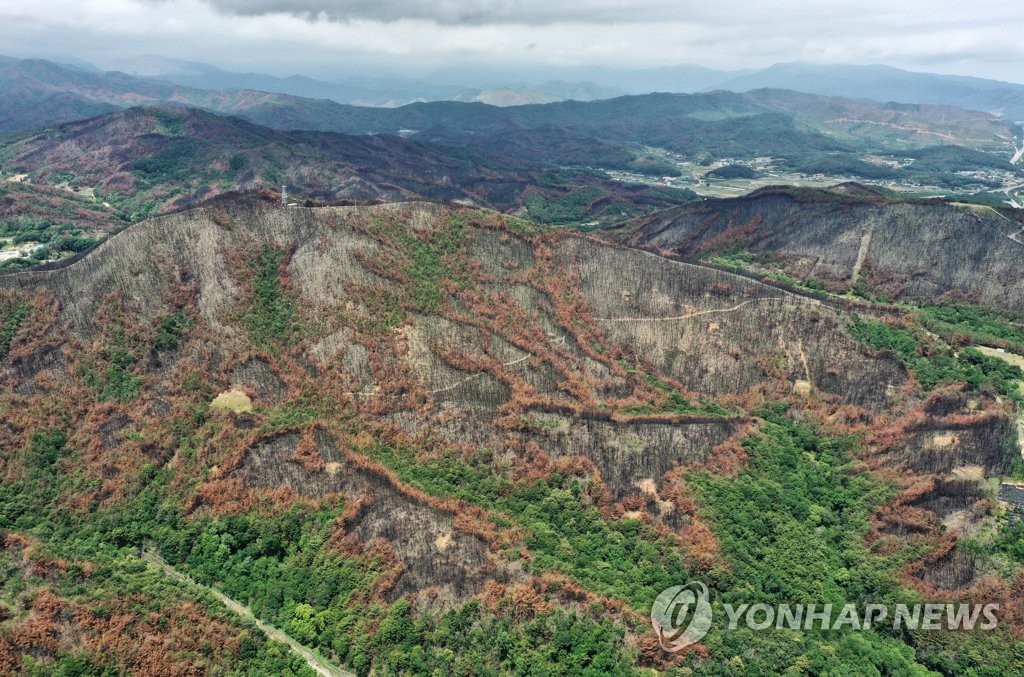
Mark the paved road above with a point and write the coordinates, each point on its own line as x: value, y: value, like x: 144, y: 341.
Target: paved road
x: 318, y: 664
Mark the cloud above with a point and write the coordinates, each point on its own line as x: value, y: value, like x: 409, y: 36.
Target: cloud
x: 458, y: 12
x: 333, y: 39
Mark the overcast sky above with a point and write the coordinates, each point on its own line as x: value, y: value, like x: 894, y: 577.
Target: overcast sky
x: 324, y: 38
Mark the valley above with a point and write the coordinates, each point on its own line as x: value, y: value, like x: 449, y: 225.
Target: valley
x: 694, y: 177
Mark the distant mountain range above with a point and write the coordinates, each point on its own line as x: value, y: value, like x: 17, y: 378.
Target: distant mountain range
x: 875, y: 82
x: 492, y: 86
x: 884, y: 83
x: 501, y: 157
x: 505, y: 87
x: 37, y: 93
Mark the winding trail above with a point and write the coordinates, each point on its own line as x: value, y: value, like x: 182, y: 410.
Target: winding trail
x: 699, y: 313
x: 318, y: 664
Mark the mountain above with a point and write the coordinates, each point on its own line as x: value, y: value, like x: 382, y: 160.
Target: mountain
x: 413, y: 437
x: 855, y: 238
x: 799, y: 132
x: 149, y: 160
x: 805, y: 132
x: 885, y: 83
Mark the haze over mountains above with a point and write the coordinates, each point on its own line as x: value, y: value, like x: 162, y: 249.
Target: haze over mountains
x: 542, y: 85
x: 874, y: 82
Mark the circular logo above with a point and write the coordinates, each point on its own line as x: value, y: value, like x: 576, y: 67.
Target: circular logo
x: 681, y: 615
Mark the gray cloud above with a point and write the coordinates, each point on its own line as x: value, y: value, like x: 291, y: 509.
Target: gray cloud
x: 564, y: 39
x: 458, y: 12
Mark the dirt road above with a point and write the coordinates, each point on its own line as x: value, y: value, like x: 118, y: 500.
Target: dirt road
x: 318, y: 664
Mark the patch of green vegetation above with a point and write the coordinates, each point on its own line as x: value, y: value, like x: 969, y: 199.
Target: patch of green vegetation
x: 981, y: 324
x: 1016, y: 471
x: 53, y: 239
x: 935, y: 364
x: 115, y: 383
x: 58, y: 237
x: 839, y: 164
x: 118, y: 583
x: 733, y: 257
x: 651, y: 166
x: 796, y: 516
x: 999, y: 544
x: 739, y: 259
x: 385, y: 312
x: 170, y: 164
x: 624, y: 559
x: 294, y: 415
x: 568, y: 178
x: 862, y: 289
x: 168, y: 122
x: 733, y: 172
x: 673, y: 402
x: 46, y: 448
x: 1010, y: 539
x: 11, y: 318
x: 284, y: 567
x: 272, y: 320
x: 426, y: 259
x: 430, y: 260
x: 524, y: 227
x: 791, y: 526
x: 237, y: 162
x: 281, y: 566
x: 572, y: 207
x: 673, y: 194
x: 172, y: 329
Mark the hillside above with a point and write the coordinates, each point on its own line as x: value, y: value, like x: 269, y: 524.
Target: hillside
x: 149, y: 160
x: 854, y: 237
x: 415, y: 436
